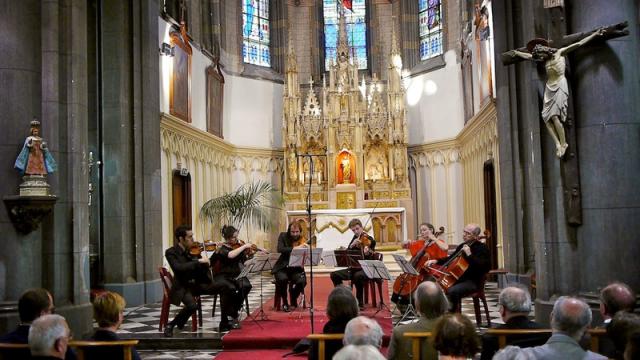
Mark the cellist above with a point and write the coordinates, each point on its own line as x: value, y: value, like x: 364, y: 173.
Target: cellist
x: 427, y: 234
x: 477, y: 255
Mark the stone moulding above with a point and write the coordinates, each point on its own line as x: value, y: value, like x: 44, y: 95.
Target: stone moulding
x: 27, y: 212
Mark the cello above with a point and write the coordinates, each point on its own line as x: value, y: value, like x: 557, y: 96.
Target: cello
x: 450, y: 272
x: 405, y: 284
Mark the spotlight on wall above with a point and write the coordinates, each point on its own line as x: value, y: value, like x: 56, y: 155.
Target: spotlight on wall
x: 167, y: 50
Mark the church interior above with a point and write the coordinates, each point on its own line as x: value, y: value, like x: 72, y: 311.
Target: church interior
x: 124, y: 120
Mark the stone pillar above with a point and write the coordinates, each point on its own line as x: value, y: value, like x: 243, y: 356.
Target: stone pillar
x: 606, y: 84
x: 131, y: 146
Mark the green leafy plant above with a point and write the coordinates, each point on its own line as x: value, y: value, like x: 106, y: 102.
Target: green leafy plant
x: 252, y: 204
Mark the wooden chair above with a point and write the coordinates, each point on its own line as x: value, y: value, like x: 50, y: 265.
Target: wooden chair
x: 416, y: 339
x: 167, y: 282
x: 277, y: 299
x: 503, y: 333
x: 84, y: 349
x: 476, y: 297
x: 322, y: 339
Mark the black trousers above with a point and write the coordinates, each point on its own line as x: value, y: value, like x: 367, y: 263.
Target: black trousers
x: 458, y: 291
x: 190, y: 305
x: 232, y: 295
x: 357, y: 277
x: 298, y: 279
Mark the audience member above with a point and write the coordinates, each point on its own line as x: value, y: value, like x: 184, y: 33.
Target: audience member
x: 108, y: 311
x: 431, y: 303
x: 632, y: 350
x: 49, y: 337
x: 454, y: 337
x: 32, y: 304
x: 570, y: 319
x: 511, y: 352
x: 363, y: 331
x: 620, y: 329
x: 342, y: 306
x: 358, y: 352
x: 514, y: 304
x: 614, y: 297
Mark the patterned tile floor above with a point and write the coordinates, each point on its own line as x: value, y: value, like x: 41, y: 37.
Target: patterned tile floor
x: 144, y: 320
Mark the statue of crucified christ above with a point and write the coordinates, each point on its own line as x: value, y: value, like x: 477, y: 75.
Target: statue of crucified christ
x: 556, y: 92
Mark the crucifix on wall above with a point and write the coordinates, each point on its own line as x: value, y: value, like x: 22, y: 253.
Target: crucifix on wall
x: 555, y: 110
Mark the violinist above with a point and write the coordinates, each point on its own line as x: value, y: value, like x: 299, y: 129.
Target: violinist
x: 229, y: 259
x: 361, y: 241
x: 476, y: 253
x: 186, y: 268
x: 287, y: 241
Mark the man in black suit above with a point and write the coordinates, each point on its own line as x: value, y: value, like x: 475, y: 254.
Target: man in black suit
x: 186, y: 269
x: 477, y: 255
x: 356, y: 275
x: 33, y: 304
x: 283, y: 273
x: 514, y: 304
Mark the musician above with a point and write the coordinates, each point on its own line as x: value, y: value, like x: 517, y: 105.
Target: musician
x: 477, y: 255
x: 229, y: 261
x: 283, y: 273
x: 427, y: 233
x: 356, y: 275
x: 186, y: 269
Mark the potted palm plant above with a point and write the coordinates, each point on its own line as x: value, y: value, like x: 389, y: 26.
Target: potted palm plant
x: 254, y: 205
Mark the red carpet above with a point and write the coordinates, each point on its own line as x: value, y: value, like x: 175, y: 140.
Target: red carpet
x: 257, y: 354
x: 283, y: 330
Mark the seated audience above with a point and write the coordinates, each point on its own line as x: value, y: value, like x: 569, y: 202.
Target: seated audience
x: 363, y: 331
x: 108, y: 311
x: 514, y: 304
x: 614, y: 298
x: 570, y: 319
x: 342, y: 306
x: 632, y: 350
x: 511, y: 352
x: 620, y: 329
x: 49, y: 337
x: 32, y: 304
x: 431, y: 303
x: 358, y: 352
x: 454, y: 337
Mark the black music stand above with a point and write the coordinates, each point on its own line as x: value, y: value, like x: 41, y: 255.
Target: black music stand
x: 348, y: 258
x: 375, y: 269
x: 407, y: 268
x: 305, y: 257
x: 263, y: 262
x: 243, y: 274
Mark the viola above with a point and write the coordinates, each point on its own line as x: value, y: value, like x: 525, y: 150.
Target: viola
x: 197, y: 248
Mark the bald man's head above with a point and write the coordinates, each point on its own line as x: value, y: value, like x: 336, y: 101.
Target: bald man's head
x: 570, y: 316
x: 616, y: 297
x: 430, y: 300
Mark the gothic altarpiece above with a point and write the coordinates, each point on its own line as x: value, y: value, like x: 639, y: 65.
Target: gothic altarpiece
x: 359, y: 132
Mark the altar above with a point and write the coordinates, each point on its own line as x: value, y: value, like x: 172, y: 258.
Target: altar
x: 330, y: 227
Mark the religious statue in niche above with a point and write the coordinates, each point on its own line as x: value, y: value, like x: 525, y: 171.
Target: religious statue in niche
x: 398, y: 160
x: 556, y: 92
x: 292, y: 165
x: 346, y: 169
x: 35, y: 162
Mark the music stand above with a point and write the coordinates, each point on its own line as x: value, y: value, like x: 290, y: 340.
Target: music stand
x: 406, y: 268
x: 263, y: 262
x: 348, y: 258
x: 329, y: 258
x: 301, y: 257
x: 243, y: 274
x: 375, y: 269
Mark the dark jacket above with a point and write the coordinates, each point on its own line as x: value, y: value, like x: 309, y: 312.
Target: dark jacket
x: 331, y: 346
x: 21, y: 336
x: 490, y: 342
x: 285, y: 246
x: 114, y: 353
x: 479, y: 262
x: 184, y: 270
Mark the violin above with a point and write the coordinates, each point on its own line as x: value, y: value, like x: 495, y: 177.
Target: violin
x: 197, y: 248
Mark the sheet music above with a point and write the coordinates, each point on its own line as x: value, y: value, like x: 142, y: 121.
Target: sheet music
x: 247, y: 269
x: 329, y: 258
x: 405, y: 265
x: 381, y: 269
x: 264, y: 262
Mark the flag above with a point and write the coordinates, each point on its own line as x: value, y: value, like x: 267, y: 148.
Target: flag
x: 348, y: 4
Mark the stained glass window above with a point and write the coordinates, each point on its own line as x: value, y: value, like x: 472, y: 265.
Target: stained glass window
x: 430, y: 16
x: 255, y: 32
x: 356, y: 31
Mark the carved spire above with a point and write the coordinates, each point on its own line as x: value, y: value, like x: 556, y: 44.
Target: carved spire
x: 343, y: 42
x: 292, y: 61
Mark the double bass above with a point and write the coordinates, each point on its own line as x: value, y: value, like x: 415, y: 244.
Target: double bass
x: 405, y: 284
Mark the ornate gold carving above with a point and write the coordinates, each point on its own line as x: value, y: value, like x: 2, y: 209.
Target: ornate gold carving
x: 346, y: 200
x: 381, y: 204
x: 401, y: 194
